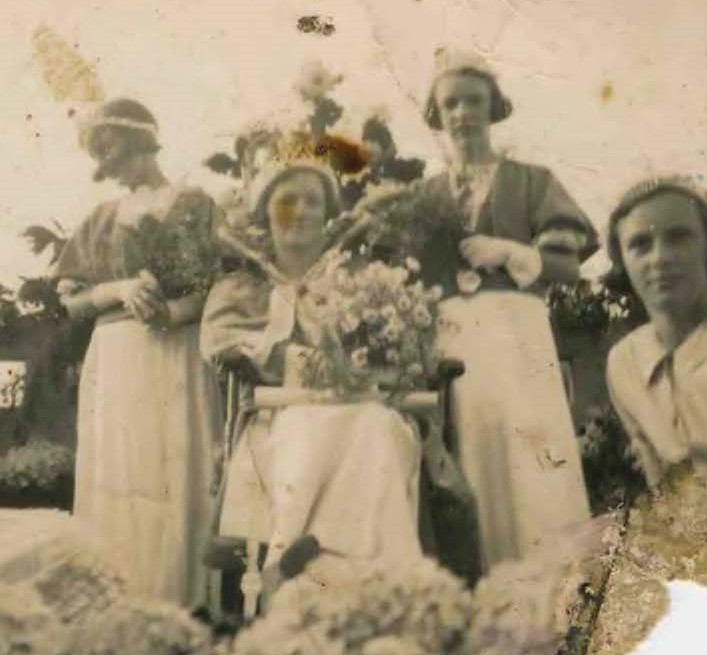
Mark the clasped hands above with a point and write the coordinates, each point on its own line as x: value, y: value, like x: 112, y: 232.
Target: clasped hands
x: 144, y: 299
x: 522, y: 262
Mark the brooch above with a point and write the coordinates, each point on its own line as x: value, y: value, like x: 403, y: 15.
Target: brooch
x: 468, y: 281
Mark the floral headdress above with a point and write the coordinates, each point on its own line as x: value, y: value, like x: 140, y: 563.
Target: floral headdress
x: 295, y: 153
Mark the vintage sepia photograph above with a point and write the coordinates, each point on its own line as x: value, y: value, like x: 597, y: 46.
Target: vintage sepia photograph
x: 346, y: 327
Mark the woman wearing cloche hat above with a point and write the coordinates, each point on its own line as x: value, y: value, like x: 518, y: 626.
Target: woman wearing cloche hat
x: 148, y: 406
x: 493, y: 232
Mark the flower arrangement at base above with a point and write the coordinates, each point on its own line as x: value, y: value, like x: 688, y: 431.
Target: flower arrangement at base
x: 27, y: 626
x: 378, y: 327
x: 408, y: 610
x: 141, y: 628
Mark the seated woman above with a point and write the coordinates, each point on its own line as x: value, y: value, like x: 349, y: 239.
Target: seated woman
x: 347, y: 473
x: 657, y: 375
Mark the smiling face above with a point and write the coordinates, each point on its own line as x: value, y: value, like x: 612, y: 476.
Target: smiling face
x: 297, y: 210
x: 464, y: 104
x: 664, y: 251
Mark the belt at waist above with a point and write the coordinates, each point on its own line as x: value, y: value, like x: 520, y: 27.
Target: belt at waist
x: 113, y: 316
x: 121, y: 314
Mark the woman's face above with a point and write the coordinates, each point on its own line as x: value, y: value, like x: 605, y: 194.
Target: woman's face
x: 297, y: 212
x: 664, y: 250
x: 464, y: 105
x: 109, y: 148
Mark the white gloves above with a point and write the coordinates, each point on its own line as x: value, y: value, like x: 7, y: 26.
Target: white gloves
x: 522, y: 262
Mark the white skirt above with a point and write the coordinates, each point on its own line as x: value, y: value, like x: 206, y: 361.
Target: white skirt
x: 515, y: 431
x: 148, y: 419
x: 347, y: 474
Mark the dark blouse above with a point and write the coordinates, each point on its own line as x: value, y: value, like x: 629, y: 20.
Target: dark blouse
x: 524, y: 200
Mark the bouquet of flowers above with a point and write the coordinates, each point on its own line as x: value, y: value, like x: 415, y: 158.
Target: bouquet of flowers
x: 175, y: 244
x: 378, y: 328
x: 180, y: 255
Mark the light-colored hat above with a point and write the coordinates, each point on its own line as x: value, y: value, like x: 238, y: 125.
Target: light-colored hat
x: 267, y: 179
x: 121, y: 112
x: 453, y: 60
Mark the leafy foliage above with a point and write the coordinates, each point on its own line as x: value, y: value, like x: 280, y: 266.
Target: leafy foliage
x: 41, y: 238
x: 37, y: 464
x: 592, y: 307
x: 611, y: 471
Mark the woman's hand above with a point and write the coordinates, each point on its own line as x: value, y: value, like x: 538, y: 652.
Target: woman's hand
x: 485, y: 252
x: 143, y: 298
x: 522, y: 262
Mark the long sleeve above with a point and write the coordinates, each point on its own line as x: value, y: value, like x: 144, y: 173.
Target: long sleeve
x: 76, y: 259
x: 235, y: 316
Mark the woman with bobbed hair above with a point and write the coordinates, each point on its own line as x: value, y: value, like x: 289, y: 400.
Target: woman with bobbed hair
x: 657, y: 376
x: 148, y: 405
x: 494, y: 232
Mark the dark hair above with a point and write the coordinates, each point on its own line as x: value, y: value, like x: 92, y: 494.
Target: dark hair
x: 501, y: 106
x: 139, y: 141
x: 129, y: 109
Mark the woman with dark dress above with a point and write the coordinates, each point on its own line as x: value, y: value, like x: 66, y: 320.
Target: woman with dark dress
x: 494, y: 232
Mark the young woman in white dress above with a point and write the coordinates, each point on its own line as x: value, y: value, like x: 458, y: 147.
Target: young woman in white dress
x: 346, y: 474
x: 148, y: 416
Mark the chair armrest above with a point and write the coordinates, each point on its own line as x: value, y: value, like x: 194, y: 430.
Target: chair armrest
x: 275, y: 397
x: 245, y: 370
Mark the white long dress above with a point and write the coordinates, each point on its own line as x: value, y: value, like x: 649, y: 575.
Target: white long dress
x: 147, y: 422
x: 149, y: 409
x: 516, y: 436
x: 347, y: 474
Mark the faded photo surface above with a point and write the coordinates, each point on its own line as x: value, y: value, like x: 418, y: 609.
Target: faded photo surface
x: 349, y: 327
